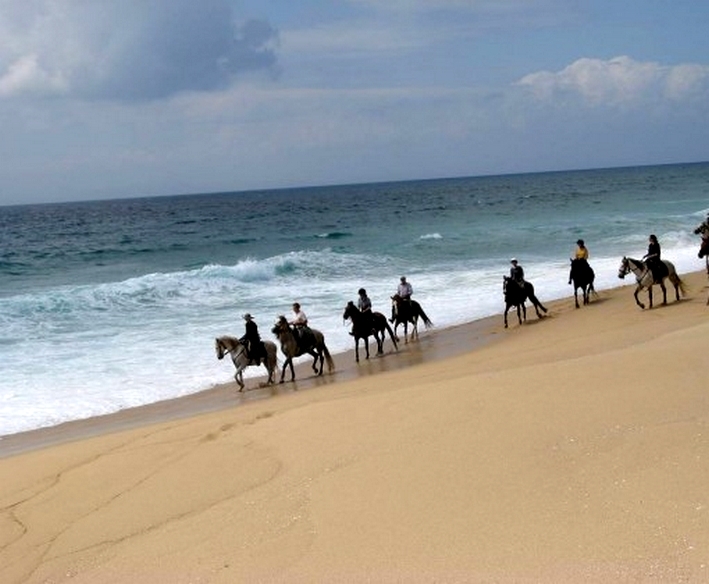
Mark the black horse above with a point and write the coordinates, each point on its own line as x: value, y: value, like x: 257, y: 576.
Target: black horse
x: 516, y: 295
x: 582, y: 276
x: 704, y: 253
x: 369, y: 324
x: 408, y: 311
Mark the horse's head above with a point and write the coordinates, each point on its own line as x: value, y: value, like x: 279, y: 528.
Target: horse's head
x: 280, y: 326
x: 349, y: 309
x: 704, y: 248
x: 219, y: 347
x: 624, y: 268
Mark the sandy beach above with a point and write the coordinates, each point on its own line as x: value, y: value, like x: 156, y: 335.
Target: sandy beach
x: 574, y: 448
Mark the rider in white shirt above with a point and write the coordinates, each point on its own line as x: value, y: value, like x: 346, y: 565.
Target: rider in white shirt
x: 404, y: 291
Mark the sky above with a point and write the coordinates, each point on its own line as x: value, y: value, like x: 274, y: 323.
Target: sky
x: 127, y: 98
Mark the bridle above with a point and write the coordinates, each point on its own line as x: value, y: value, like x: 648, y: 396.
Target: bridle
x: 223, y: 351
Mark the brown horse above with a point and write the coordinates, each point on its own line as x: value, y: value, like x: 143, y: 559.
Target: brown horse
x: 234, y: 347
x: 312, y: 343
x: 365, y: 325
x: 408, y: 311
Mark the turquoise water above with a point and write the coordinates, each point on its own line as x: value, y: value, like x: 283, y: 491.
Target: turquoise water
x: 111, y: 304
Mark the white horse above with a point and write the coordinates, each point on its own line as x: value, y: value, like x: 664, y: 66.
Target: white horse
x: 646, y: 279
x: 234, y: 347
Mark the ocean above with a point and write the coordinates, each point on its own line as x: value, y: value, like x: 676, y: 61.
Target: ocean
x: 111, y: 304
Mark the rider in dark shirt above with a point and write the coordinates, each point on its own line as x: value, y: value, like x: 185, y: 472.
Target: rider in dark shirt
x: 653, y: 259
x: 252, y: 339
x: 516, y: 272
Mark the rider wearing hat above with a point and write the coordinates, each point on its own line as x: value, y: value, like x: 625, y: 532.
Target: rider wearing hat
x: 516, y: 272
x: 252, y: 340
x: 404, y: 291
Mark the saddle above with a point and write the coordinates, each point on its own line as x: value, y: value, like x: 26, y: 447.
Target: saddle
x: 256, y: 351
x: 304, y: 337
x: 658, y: 269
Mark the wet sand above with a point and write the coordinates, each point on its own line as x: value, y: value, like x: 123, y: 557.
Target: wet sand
x: 569, y: 449
x: 433, y: 344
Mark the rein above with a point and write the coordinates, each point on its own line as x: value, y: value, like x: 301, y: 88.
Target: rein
x: 231, y: 351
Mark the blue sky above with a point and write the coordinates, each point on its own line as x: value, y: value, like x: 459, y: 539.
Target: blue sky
x: 124, y: 98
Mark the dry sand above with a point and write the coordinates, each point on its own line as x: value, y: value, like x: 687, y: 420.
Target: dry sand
x: 570, y: 449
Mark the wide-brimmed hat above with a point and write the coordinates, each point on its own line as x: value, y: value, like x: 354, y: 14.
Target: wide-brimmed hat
x: 247, y: 316
x: 513, y: 261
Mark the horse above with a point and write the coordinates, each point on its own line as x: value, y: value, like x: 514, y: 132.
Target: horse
x: 312, y: 343
x: 704, y: 253
x: 582, y: 275
x: 408, y: 311
x: 516, y: 295
x: 234, y: 347
x: 363, y: 326
x: 646, y: 279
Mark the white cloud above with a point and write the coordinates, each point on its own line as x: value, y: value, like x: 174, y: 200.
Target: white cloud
x: 619, y: 81
x: 25, y: 75
x: 127, y: 49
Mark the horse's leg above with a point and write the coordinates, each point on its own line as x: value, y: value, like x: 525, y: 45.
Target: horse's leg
x: 283, y: 370
x: 507, y: 308
x: 357, y: 349
x: 318, y: 355
x: 415, y: 327
x: 270, y: 367
x: 366, y: 346
x: 674, y: 278
x: 380, y: 341
x: 519, y: 313
x: 576, y: 298
x: 637, y: 299
x: 239, y: 377
x: 664, y: 292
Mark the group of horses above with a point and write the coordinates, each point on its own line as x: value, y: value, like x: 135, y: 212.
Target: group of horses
x: 312, y: 341
x: 375, y: 324
x: 582, y: 277
x: 517, y: 293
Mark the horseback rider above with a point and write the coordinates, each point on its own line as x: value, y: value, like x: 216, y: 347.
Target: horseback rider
x: 703, y: 228
x: 653, y: 260
x: 517, y: 273
x: 252, y: 340
x: 403, y: 291
x: 299, y: 323
x: 363, y: 302
x: 581, y: 254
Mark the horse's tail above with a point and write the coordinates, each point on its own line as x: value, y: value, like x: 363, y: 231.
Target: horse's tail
x: 426, y: 321
x: 391, y: 334
x: 328, y: 357
x: 681, y: 285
